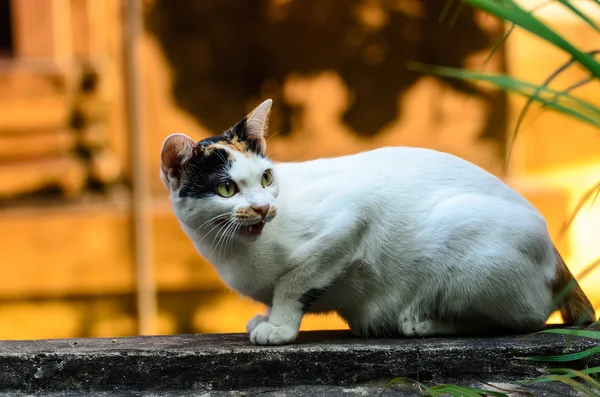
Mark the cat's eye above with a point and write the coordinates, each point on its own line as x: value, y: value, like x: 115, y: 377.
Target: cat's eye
x: 226, y: 189
x: 267, y: 178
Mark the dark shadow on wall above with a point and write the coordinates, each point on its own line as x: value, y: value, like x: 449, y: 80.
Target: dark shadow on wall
x: 227, y: 54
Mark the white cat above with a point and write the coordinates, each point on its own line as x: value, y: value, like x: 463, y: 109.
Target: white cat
x: 397, y: 241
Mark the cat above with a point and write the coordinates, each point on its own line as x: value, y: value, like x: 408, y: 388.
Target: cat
x: 398, y: 241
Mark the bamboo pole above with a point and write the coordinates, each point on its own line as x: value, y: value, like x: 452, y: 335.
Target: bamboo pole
x: 146, y: 289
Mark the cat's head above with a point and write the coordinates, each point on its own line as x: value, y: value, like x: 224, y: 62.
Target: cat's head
x: 223, y: 184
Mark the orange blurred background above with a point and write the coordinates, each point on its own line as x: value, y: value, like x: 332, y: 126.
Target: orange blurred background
x: 89, y: 243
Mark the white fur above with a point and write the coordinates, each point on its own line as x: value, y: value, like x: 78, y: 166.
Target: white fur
x: 403, y: 240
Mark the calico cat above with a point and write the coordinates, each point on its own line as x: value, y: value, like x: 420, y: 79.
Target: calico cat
x: 398, y: 241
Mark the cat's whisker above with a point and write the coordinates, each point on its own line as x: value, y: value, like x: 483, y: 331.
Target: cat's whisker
x: 226, y: 214
x: 224, y: 239
x: 224, y: 243
x: 222, y: 226
x: 271, y: 135
x: 222, y: 233
x: 208, y: 233
x: 233, y: 233
x: 227, y: 233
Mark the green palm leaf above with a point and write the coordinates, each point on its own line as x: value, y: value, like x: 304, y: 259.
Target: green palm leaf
x: 566, y: 357
x: 573, y: 383
x: 508, y: 10
x: 580, y: 14
x: 568, y: 373
x: 574, y: 332
x: 555, y: 100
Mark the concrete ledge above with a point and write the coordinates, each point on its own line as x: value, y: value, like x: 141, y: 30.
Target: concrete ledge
x: 220, y: 364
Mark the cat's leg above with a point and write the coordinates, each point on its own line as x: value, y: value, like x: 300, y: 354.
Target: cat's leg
x: 292, y: 296
x: 315, y: 265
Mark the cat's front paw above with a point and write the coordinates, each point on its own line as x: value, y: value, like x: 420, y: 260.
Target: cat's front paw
x: 412, y: 328
x: 266, y: 333
x: 254, y: 321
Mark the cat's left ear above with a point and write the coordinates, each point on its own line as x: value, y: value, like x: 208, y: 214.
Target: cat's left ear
x: 176, y: 153
x: 254, y: 127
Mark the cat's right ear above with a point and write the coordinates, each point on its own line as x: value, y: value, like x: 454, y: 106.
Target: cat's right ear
x: 177, y: 151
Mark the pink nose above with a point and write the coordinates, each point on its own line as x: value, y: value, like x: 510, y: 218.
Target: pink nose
x: 262, y: 210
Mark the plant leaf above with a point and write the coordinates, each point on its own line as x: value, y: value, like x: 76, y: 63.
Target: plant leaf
x: 566, y: 357
x: 580, y: 83
x: 501, y: 41
x: 571, y: 373
x: 584, y: 198
x: 508, y: 10
x: 533, y: 98
x: 580, y: 14
x: 428, y: 390
x: 456, y: 391
x: 586, y: 371
x: 399, y: 380
x: 573, y: 383
x: 516, y: 391
x: 456, y: 14
x: 445, y: 10
x: 486, y: 392
x: 572, y: 106
x: 575, y: 332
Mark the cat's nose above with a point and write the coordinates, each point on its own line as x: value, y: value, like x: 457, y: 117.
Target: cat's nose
x: 262, y: 210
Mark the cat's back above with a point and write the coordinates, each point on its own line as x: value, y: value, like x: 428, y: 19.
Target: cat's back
x: 409, y: 172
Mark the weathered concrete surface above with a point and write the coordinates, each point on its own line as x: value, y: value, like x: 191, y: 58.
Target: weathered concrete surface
x: 319, y: 363
x: 546, y: 390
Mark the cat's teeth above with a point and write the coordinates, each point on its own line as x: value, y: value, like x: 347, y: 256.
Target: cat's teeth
x: 250, y: 229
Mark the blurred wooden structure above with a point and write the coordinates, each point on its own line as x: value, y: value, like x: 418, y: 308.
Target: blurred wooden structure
x: 63, y: 158
x: 57, y: 118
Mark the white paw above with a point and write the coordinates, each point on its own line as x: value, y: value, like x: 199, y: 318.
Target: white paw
x: 266, y: 333
x: 427, y: 328
x: 254, y: 321
x: 413, y: 328
x: 407, y: 326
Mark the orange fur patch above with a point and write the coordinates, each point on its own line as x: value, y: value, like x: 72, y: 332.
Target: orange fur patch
x: 234, y: 144
x: 575, y: 308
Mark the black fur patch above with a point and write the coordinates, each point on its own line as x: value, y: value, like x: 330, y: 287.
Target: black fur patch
x: 205, y: 172
x: 207, y: 167
x: 310, y: 296
x: 240, y: 132
x: 213, y: 139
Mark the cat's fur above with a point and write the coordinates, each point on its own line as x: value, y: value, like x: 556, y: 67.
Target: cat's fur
x: 397, y: 241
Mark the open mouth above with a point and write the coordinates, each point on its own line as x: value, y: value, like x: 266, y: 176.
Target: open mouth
x: 253, y: 230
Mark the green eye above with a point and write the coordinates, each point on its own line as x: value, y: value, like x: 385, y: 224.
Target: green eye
x: 226, y: 189
x: 267, y: 178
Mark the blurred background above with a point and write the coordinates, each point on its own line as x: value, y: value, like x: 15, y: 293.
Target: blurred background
x: 89, y: 89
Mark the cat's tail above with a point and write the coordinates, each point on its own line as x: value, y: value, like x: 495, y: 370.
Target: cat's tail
x: 575, y: 308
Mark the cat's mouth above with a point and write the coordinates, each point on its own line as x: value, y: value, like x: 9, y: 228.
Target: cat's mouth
x: 253, y: 230
x: 247, y: 230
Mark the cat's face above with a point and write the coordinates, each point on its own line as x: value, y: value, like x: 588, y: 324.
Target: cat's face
x: 223, y: 186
